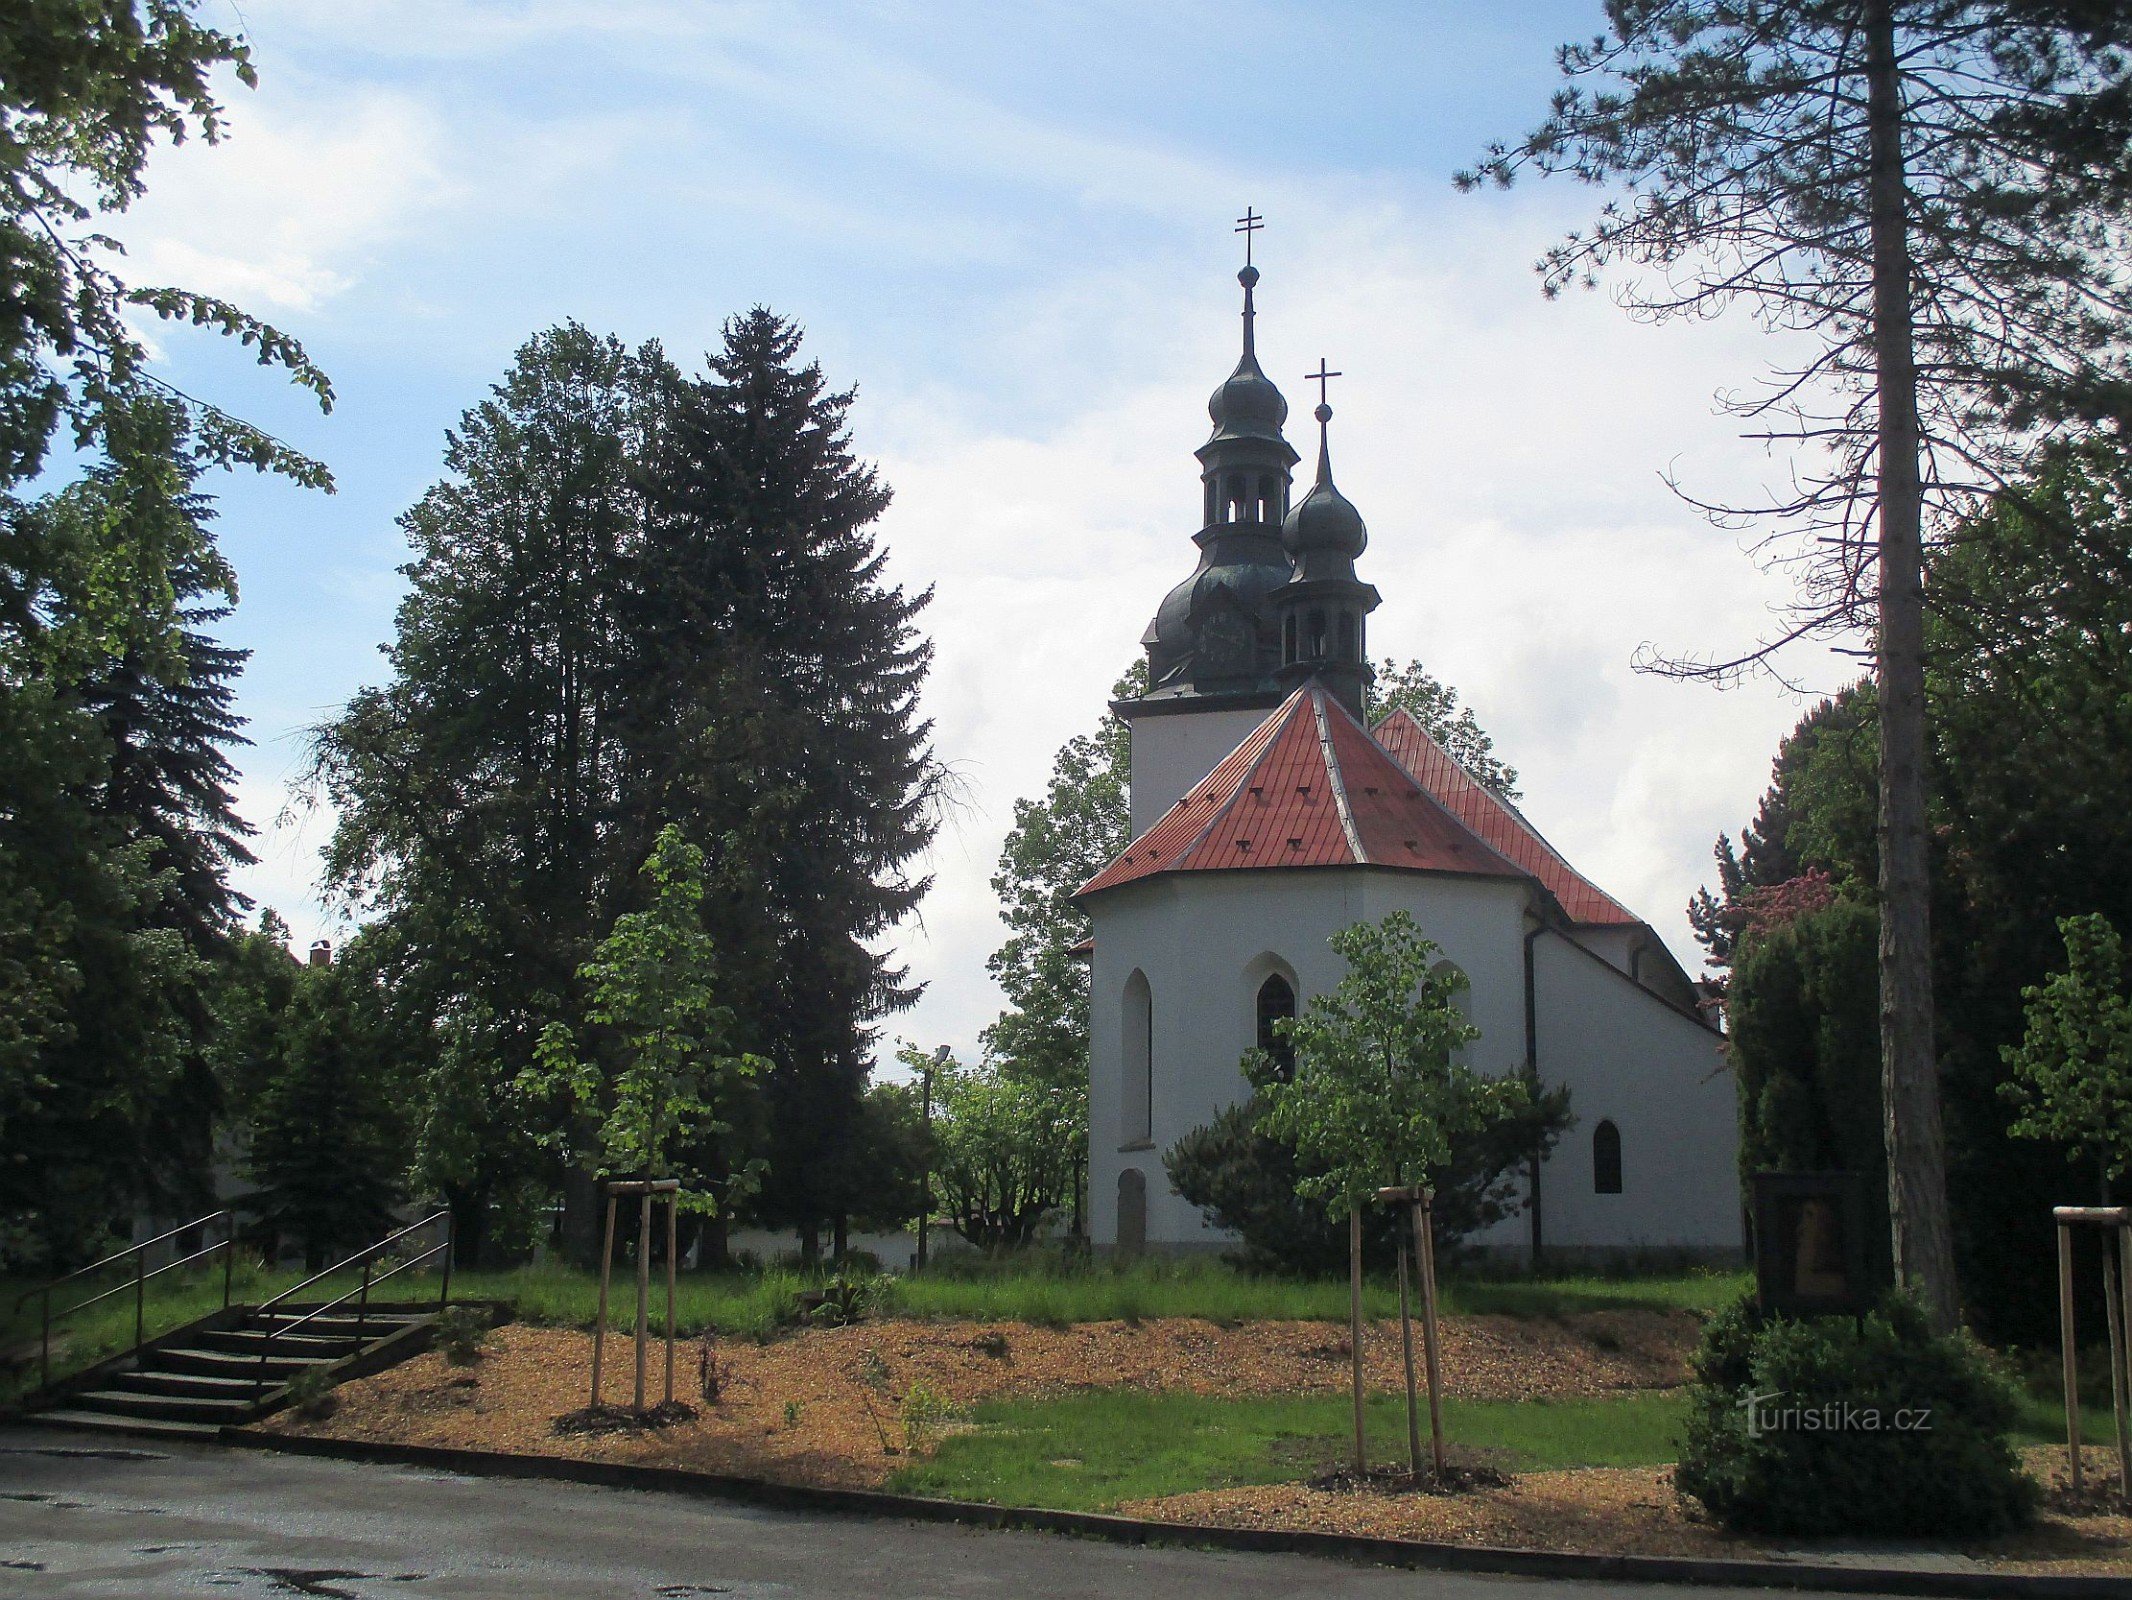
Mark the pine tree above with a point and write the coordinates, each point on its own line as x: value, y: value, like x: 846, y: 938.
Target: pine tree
x: 774, y: 717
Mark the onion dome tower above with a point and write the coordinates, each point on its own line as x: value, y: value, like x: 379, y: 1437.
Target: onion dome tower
x: 1322, y: 609
x: 1213, y: 636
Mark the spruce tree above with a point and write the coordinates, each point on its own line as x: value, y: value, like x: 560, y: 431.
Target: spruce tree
x: 774, y: 716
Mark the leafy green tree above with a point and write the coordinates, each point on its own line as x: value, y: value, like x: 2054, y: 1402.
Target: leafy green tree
x: 327, y: 1146
x: 894, y: 1152
x: 1056, y: 844
x: 772, y: 702
x: 2072, y: 1071
x: 657, y: 1085
x: 1434, y: 704
x: 87, y: 88
x: 1932, y: 193
x: 1377, y: 1093
x: 1006, y: 1150
x: 490, y: 814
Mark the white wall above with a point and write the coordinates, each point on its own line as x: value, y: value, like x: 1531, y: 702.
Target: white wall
x: 1207, y: 940
x: 1174, y: 751
x: 1661, y: 1077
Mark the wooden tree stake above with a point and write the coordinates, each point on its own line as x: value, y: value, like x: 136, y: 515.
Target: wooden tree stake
x: 1425, y: 1249
x: 673, y: 1205
x: 599, y: 1325
x: 643, y: 1287
x: 1354, y: 1331
x: 1406, y: 1352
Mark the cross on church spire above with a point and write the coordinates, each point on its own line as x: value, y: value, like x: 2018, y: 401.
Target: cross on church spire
x: 1248, y: 224
x: 1321, y: 378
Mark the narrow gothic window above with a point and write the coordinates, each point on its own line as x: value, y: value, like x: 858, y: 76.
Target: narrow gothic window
x: 1606, y: 1159
x: 1276, y: 1003
x: 1138, y: 1108
x: 1317, y: 636
x: 1132, y: 1212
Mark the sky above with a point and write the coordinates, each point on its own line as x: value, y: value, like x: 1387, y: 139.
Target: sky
x: 1009, y: 227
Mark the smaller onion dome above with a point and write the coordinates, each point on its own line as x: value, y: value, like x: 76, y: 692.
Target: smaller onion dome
x: 1324, y: 519
x: 1247, y: 405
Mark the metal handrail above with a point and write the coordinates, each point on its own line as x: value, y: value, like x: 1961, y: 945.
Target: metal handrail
x: 367, y: 1255
x: 139, y: 1284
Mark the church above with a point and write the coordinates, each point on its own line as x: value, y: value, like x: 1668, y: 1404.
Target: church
x: 1268, y: 814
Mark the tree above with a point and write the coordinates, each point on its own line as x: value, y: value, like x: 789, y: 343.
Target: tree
x: 327, y: 1151
x: 1435, y: 706
x: 1005, y: 1151
x: 491, y: 817
x: 2072, y: 1071
x: 86, y: 89
x: 1377, y: 1095
x: 1931, y: 192
x: 2028, y: 631
x: 773, y: 708
x: 1058, y: 843
x: 658, y: 1086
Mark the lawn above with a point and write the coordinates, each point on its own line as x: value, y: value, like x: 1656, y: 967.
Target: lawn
x: 1089, y: 1452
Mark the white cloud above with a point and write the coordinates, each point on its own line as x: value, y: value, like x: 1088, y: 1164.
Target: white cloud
x: 287, y: 210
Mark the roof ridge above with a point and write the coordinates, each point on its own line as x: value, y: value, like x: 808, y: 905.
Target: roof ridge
x: 1338, y: 783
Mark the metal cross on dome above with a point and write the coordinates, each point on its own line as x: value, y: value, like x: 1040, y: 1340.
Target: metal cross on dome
x: 1321, y: 378
x: 1248, y: 224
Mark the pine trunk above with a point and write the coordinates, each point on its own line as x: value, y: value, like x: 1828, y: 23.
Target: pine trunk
x: 1910, y: 1096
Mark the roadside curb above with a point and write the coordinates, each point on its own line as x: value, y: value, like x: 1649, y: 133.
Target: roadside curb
x: 1359, y: 1548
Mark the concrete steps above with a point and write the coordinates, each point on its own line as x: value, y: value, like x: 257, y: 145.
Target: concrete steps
x: 213, y: 1378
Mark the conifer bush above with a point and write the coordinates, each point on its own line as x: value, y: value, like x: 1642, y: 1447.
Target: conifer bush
x: 1839, y: 1426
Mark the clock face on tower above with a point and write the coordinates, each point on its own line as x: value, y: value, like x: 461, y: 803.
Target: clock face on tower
x: 1225, y: 643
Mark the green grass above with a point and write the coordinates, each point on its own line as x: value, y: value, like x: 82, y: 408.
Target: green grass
x: 1090, y: 1452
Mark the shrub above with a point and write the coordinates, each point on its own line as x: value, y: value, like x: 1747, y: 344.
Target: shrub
x: 310, y: 1393
x: 1835, y: 1427
x: 923, y: 1412
x: 461, y: 1331
x: 848, y: 1298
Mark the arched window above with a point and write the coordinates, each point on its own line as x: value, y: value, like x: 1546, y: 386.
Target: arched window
x: 1347, y: 636
x: 1606, y: 1158
x: 1317, y: 636
x: 1137, y: 1110
x: 1213, y: 503
x: 1288, y: 640
x: 1276, y: 1003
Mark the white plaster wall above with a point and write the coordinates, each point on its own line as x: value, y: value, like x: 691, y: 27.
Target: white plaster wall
x: 1661, y: 1078
x: 1173, y: 752
x: 1206, y: 940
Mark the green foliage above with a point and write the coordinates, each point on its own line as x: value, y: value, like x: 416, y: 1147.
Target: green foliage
x: 1804, y: 1037
x: 461, y: 1333
x: 1006, y: 1150
x: 87, y: 89
x: 1933, y: 1460
x: 1055, y: 845
x: 1377, y: 1094
x: 2072, y: 1071
x: 848, y: 1298
x: 1246, y: 1181
x: 659, y: 1085
x: 310, y: 1393
x: 922, y: 1413
x: 1435, y: 706
x: 327, y: 1145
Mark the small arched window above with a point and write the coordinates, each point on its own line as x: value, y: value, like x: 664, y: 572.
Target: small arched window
x: 1276, y: 1003
x: 1132, y: 1212
x: 1137, y: 1108
x: 1213, y: 502
x: 1347, y: 636
x: 1606, y: 1158
x: 1288, y: 640
x: 1317, y: 636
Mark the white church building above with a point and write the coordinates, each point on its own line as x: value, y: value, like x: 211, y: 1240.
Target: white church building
x: 1267, y: 816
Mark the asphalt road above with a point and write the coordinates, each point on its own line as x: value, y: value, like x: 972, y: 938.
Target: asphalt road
x: 85, y: 1515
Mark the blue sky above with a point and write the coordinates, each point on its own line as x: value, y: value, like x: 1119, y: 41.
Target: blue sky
x: 1009, y: 227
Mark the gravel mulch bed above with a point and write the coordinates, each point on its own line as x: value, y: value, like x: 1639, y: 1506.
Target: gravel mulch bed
x: 1620, y: 1511
x: 824, y: 1406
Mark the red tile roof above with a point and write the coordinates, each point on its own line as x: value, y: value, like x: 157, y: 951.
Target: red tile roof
x: 1497, y: 821
x: 1308, y: 788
